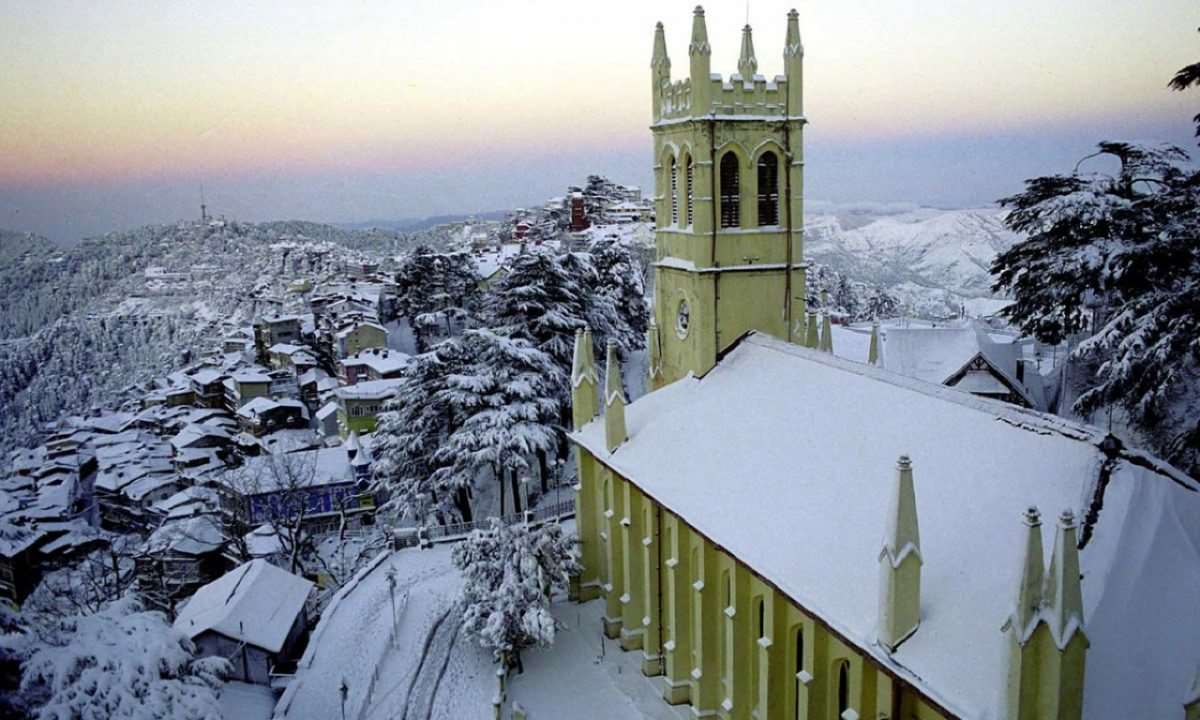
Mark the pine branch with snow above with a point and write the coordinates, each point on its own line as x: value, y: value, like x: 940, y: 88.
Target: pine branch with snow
x: 122, y: 662
x: 1116, y: 259
x: 510, y: 573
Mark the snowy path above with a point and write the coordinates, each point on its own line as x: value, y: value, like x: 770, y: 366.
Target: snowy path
x: 572, y: 680
x: 353, y: 641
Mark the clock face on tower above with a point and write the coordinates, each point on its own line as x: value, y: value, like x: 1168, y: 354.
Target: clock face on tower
x: 683, y: 318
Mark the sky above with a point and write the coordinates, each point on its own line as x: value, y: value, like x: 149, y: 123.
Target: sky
x: 115, y: 114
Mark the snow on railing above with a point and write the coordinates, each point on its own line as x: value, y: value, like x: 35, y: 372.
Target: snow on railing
x: 455, y: 532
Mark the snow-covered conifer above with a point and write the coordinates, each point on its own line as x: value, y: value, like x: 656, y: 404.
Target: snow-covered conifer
x: 412, y: 430
x: 1116, y: 259
x: 120, y: 662
x: 510, y: 572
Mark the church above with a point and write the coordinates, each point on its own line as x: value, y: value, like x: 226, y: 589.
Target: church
x: 782, y: 534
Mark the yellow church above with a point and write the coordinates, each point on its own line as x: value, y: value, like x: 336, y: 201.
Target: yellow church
x: 783, y: 534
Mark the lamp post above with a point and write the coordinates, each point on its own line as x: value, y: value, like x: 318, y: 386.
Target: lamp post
x: 391, y: 582
x: 344, y: 691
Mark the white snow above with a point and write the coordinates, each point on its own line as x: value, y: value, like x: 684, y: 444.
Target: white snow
x: 569, y: 680
x: 256, y: 603
x: 243, y: 701
x: 820, y: 438
x: 357, y: 642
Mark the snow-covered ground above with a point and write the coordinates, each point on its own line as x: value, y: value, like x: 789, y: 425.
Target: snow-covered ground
x: 577, y: 679
x: 355, y: 641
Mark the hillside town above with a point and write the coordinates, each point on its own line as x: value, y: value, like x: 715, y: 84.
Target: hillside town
x: 699, y: 449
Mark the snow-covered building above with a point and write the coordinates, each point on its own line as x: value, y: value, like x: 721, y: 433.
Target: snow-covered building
x: 263, y: 415
x: 355, y: 337
x: 254, y: 616
x: 374, y: 364
x: 359, y: 405
x: 779, y: 532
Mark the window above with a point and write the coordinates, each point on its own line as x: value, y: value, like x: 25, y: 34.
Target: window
x: 689, y: 190
x: 674, y: 193
x: 768, y: 189
x: 730, y: 189
x: 762, y: 618
x: 799, y: 668
x: 843, y: 688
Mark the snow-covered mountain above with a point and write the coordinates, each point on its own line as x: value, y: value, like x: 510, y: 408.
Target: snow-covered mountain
x: 931, y: 259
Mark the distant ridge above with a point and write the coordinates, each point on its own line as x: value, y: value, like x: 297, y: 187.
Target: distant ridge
x: 424, y: 223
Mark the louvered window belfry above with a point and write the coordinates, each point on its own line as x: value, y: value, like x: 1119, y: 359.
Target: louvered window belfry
x: 730, y: 192
x: 768, y: 189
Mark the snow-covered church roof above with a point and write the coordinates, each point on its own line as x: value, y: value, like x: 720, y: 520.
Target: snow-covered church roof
x: 255, y: 603
x: 785, y: 457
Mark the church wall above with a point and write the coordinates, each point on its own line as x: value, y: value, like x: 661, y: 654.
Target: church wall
x: 697, y: 348
x: 723, y: 637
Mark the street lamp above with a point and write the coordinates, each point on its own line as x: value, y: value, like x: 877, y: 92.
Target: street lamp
x: 344, y: 691
x: 391, y: 582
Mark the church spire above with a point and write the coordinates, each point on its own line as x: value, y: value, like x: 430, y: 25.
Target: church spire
x: 747, y: 62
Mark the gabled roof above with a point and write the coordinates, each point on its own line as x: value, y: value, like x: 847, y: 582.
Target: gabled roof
x: 255, y: 603
x: 370, y: 390
x: 783, y: 456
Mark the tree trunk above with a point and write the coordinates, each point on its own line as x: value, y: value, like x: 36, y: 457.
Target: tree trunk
x: 463, y: 503
x: 499, y: 472
x: 543, y: 470
x: 516, y: 492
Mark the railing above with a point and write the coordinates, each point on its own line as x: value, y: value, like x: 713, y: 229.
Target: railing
x: 455, y: 532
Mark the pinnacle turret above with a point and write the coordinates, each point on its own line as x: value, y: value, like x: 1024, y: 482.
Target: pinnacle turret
x: 1028, y: 600
x: 900, y: 563
x: 615, y: 431
x: 584, y: 380
x: 699, y: 44
x: 659, y: 59
x: 747, y: 62
x: 1063, y: 595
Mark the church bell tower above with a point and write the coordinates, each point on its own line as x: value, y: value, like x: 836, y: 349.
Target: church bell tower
x: 728, y: 168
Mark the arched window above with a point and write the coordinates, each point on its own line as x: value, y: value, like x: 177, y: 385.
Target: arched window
x: 689, y: 190
x: 730, y: 192
x: 768, y: 189
x: 799, y: 667
x: 674, y: 193
x: 843, y: 688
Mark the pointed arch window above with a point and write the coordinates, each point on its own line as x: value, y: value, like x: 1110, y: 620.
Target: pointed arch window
x: 674, y: 193
x: 731, y: 201
x: 799, y: 660
x: 768, y: 189
x: 689, y: 188
x: 843, y: 688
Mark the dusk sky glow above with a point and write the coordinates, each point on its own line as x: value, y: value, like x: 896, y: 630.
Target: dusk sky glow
x: 114, y: 113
